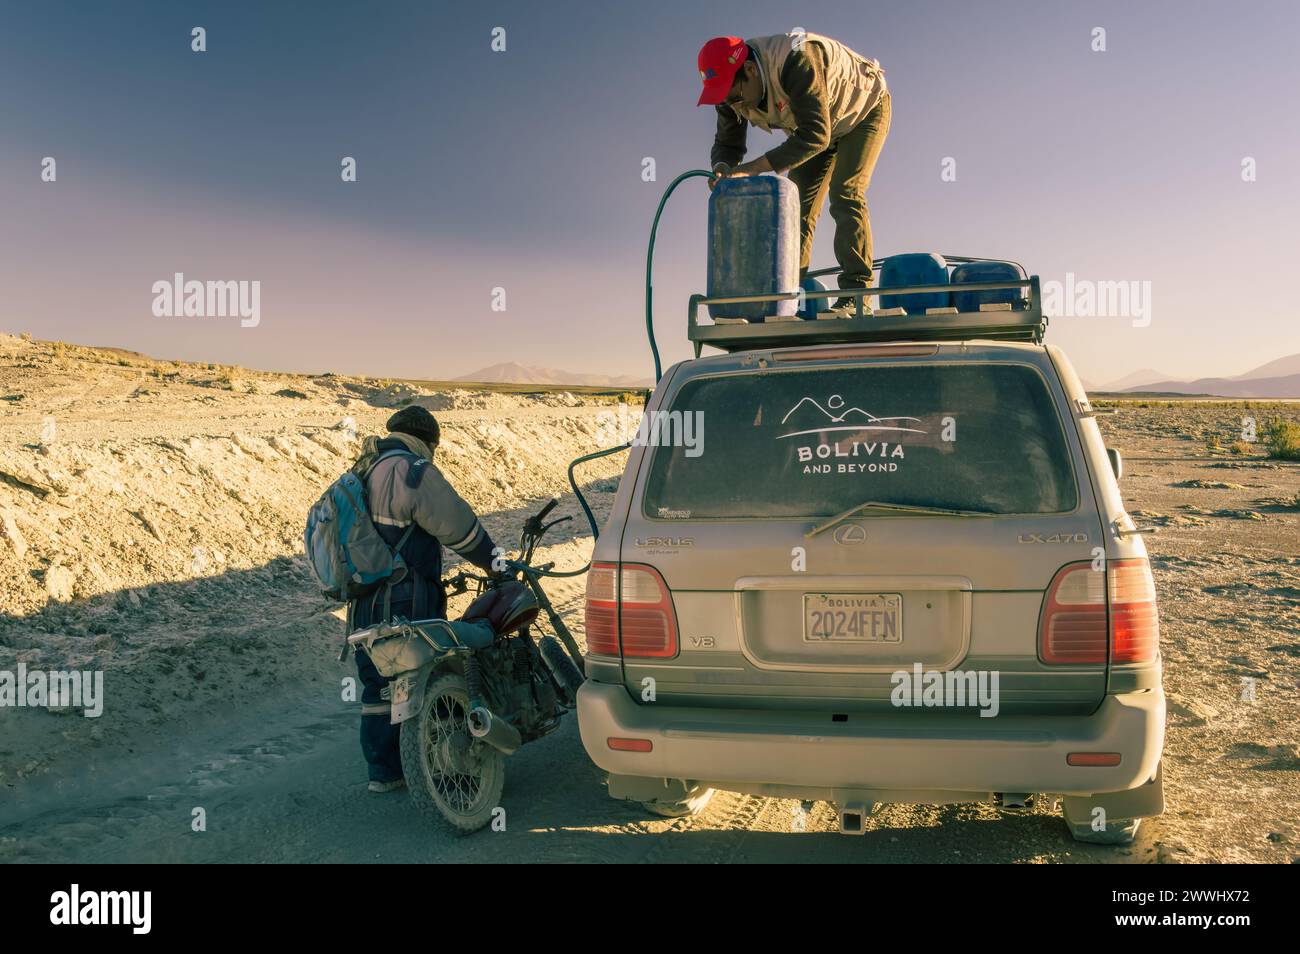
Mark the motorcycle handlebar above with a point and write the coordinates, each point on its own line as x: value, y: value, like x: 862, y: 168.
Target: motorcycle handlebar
x: 533, y: 525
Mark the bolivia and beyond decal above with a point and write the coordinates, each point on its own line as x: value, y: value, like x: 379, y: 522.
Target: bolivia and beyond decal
x: 870, y: 444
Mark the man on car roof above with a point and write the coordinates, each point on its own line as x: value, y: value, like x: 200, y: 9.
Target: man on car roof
x: 835, y: 108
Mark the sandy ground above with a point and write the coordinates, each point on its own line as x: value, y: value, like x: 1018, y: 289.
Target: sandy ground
x: 150, y: 521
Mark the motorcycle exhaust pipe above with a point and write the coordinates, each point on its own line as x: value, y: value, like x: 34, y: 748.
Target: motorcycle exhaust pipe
x: 493, y: 730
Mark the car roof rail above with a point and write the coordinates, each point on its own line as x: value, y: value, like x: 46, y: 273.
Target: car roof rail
x: 1025, y: 322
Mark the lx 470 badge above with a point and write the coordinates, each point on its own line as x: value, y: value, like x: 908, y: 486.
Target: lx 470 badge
x: 1054, y: 538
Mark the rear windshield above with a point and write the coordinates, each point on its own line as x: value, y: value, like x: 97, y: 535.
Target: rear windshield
x: 815, y: 443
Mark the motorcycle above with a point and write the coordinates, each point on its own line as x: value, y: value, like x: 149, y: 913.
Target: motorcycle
x: 469, y: 692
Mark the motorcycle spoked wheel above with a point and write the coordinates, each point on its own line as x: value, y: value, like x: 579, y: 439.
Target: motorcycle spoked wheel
x: 450, y: 773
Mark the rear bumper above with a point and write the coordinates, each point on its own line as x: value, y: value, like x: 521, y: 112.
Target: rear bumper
x: 789, y: 753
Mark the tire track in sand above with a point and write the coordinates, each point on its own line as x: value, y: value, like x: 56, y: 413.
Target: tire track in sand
x: 712, y: 837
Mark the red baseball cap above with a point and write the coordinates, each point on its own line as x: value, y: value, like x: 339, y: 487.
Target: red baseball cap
x: 719, y: 60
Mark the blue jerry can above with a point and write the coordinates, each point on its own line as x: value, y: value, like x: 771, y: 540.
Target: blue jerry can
x: 914, y: 268
x: 753, y: 245
x: 813, y: 305
x: 969, y: 272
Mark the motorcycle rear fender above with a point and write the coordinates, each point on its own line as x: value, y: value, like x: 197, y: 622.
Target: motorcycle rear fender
x: 408, y: 690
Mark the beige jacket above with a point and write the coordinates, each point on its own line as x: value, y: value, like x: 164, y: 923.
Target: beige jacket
x: 854, y: 84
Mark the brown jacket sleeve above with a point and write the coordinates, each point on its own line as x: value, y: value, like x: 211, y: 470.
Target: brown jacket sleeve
x: 729, y: 142
x: 804, y: 80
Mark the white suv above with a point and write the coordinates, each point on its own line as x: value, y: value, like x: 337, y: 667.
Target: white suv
x: 890, y: 571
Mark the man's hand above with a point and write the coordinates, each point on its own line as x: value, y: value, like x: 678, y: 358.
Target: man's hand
x: 720, y: 171
x: 753, y: 168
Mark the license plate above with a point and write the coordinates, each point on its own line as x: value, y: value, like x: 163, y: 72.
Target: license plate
x: 853, y: 617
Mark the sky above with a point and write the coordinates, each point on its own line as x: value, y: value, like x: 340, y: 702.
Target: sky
x: 522, y: 169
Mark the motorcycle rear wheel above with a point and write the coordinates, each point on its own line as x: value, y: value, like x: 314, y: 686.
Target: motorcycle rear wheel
x: 451, y: 774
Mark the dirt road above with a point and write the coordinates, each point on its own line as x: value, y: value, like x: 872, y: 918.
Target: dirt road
x: 281, y: 780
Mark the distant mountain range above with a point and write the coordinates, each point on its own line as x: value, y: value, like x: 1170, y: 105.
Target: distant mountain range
x: 1136, y: 379
x: 511, y: 372
x: 1276, y: 379
x: 1279, y: 378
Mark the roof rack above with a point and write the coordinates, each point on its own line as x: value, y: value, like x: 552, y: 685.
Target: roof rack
x: 1026, y: 323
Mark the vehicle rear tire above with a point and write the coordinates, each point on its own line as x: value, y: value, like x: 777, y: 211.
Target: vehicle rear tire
x: 451, y: 775
x: 693, y: 805
x: 1118, y: 832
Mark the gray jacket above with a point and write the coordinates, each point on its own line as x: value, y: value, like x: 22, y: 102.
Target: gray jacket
x: 410, y: 492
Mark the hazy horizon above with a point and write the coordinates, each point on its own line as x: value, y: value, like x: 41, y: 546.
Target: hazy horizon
x: 522, y: 170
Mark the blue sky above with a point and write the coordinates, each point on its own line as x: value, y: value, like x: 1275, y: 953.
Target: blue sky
x: 522, y: 169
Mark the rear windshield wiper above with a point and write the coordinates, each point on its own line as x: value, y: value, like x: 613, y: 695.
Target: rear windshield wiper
x: 901, y: 508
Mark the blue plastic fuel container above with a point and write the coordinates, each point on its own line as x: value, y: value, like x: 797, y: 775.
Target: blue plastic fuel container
x: 753, y: 245
x: 914, y: 268
x: 813, y: 305
x: 969, y: 272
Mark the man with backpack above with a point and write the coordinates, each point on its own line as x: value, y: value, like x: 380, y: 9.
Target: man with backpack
x: 416, y: 512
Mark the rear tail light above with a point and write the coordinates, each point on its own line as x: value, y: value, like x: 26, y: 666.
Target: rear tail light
x: 1134, y: 625
x: 602, y: 610
x: 1073, y: 626
x: 1087, y: 612
x: 639, y: 595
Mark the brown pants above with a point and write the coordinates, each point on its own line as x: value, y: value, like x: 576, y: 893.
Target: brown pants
x: 844, y: 169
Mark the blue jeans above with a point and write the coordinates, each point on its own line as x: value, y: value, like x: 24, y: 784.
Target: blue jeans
x: 380, y: 739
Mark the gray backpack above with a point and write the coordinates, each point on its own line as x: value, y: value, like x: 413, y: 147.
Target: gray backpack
x: 344, y: 549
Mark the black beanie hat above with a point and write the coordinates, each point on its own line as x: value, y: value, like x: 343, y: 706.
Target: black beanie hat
x: 417, y: 422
